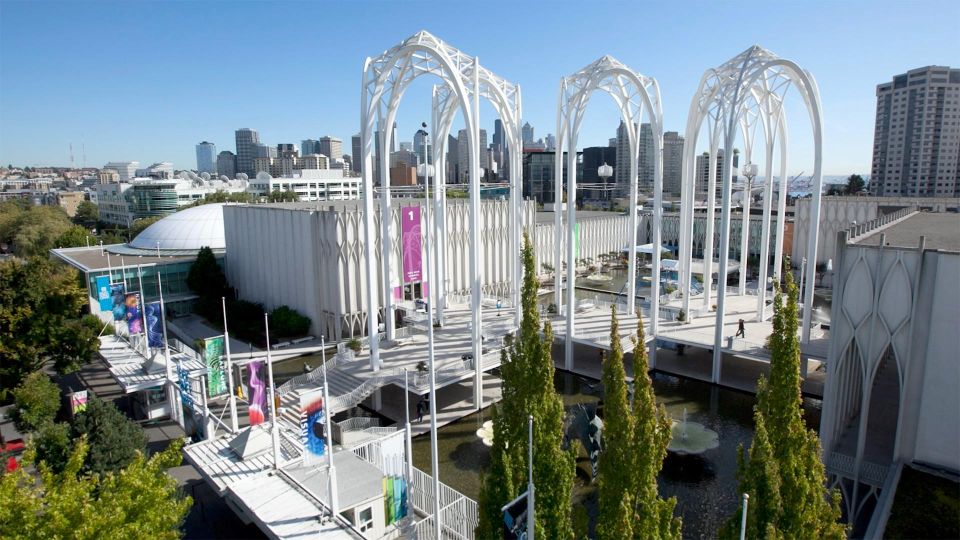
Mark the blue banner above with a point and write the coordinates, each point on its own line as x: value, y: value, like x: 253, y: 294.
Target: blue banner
x: 154, y: 325
x: 118, y: 297
x: 104, y: 295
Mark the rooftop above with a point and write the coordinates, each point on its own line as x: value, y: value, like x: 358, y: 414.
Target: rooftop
x: 942, y: 230
x: 90, y: 259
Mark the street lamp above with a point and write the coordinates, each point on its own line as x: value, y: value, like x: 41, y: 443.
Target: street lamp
x: 749, y: 171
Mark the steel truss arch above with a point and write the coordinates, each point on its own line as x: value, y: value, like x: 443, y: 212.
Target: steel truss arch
x: 633, y: 93
x: 745, y: 92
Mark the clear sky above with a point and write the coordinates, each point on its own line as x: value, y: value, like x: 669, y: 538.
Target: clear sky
x: 146, y: 81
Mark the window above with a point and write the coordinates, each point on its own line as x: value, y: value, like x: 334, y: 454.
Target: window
x: 365, y: 519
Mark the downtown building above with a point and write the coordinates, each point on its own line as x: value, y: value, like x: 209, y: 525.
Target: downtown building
x: 247, y: 141
x: 916, y: 145
x: 207, y: 158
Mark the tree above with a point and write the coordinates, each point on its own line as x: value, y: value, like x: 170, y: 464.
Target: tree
x: 52, y: 445
x: 207, y: 280
x: 527, y: 374
x: 114, y: 440
x: 88, y: 214
x: 40, y: 302
x: 855, y: 184
x: 791, y: 465
x: 288, y: 322
x: 653, y: 516
x: 75, y: 236
x: 139, y: 501
x: 616, y: 460
x: 36, y: 402
x: 139, y: 225
x: 33, y: 230
x: 283, y: 196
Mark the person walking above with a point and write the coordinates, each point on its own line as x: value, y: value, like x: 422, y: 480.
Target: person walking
x: 421, y: 408
x: 741, y: 331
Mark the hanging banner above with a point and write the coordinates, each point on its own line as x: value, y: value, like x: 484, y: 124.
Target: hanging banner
x: 183, y: 381
x: 104, y: 295
x: 312, y: 427
x: 410, y: 238
x: 394, y: 498
x: 154, y: 325
x: 258, y: 393
x: 134, y: 317
x: 515, y: 518
x: 118, y: 300
x: 78, y: 401
x: 212, y: 352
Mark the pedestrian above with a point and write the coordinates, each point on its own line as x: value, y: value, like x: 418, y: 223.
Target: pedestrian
x: 421, y: 407
x: 741, y: 331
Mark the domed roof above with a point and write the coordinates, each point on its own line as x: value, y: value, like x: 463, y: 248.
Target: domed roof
x: 190, y: 229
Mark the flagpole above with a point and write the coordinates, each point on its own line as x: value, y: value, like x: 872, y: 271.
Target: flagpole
x: 166, y: 344
x: 434, y: 461
x: 275, y: 427
x: 409, y: 443
x: 531, y: 507
x: 328, y: 413
x: 226, y: 342
x: 110, y: 272
x: 143, y: 312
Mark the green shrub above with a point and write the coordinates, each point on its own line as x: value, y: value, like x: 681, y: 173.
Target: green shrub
x: 36, y: 402
x: 288, y: 322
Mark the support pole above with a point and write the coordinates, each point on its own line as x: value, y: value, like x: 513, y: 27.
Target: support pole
x: 743, y: 518
x: 408, y: 441
x: 562, y: 121
x: 745, y: 232
x: 328, y: 414
x: 634, y: 130
x: 516, y: 179
x: 710, y: 223
x: 386, y: 222
x: 782, y: 201
x: 476, y: 245
x: 531, y: 503
x: 657, y: 222
x: 434, y: 460
x: 226, y: 342
x: 274, y: 419
x: 765, y: 233
x: 369, y: 251
x: 571, y: 243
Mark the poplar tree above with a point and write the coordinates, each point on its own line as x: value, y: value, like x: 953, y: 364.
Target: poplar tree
x: 785, y: 455
x: 527, y: 388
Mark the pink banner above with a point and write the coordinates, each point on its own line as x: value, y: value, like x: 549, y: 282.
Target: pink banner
x: 410, y: 236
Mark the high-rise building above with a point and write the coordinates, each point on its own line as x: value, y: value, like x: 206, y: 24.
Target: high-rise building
x: 526, y: 133
x: 207, y: 157
x: 406, y: 145
x: 550, y: 142
x: 645, y: 159
x: 127, y: 170
x: 499, y: 151
x: 421, y: 146
x: 621, y: 171
x: 916, y: 142
x: 287, y: 150
x: 309, y: 146
x: 313, y: 162
x: 332, y: 147
x: 356, y: 142
x: 247, y: 141
x: 703, y: 172
x: 453, y: 159
x: 463, y: 153
x: 227, y: 164
x: 593, y: 158
x: 539, y: 178
x: 672, y: 162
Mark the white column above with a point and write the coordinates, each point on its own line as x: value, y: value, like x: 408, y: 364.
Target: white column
x: 562, y: 121
x: 745, y: 231
x: 571, y: 244
x: 369, y: 243
x: 516, y: 178
x: 657, y: 219
x: 632, y: 234
x: 765, y: 234
x: 476, y: 278
x: 709, y: 225
x: 813, y: 232
x: 782, y: 199
x: 386, y: 222
x: 724, y: 251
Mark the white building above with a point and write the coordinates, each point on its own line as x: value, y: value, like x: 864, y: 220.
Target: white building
x: 891, y: 397
x: 112, y: 203
x: 124, y: 202
x: 310, y: 185
x: 162, y: 170
x: 310, y: 256
x: 126, y: 169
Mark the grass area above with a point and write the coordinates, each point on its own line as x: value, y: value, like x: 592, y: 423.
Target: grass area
x: 926, y: 506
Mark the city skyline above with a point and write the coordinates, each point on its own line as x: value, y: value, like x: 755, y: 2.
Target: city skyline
x: 109, y: 115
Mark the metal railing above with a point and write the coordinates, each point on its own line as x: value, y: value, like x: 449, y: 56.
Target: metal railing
x: 865, y: 228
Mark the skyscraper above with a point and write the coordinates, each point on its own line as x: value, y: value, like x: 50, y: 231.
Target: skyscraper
x: 356, y: 142
x: 621, y: 171
x: 672, y: 162
x: 551, y: 142
x: 227, y: 164
x: 526, y: 133
x: 463, y: 153
x: 309, y: 147
x: 916, y: 143
x: 453, y: 159
x: 247, y: 141
x: 422, y: 147
x: 593, y: 158
x: 207, y: 158
x: 703, y: 172
x: 645, y: 159
x: 287, y: 150
x: 332, y: 147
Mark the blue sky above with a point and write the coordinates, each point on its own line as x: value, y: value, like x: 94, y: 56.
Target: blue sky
x: 147, y: 81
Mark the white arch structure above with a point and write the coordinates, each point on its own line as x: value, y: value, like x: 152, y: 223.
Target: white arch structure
x: 742, y: 93
x: 633, y: 93
x: 385, y: 79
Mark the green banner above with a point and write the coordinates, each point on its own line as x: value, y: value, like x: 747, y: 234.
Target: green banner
x: 213, y: 358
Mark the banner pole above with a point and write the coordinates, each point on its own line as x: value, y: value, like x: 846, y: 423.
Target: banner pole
x: 143, y: 312
x: 274, y: 425
x: 226, y: 343
x: 328, y: 413
x: 531, y: 507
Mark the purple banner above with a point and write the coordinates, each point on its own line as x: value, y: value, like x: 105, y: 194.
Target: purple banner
x: 258, y: 393
x: 410, y: 236
x: 154, y: 325
x: 134, y: 318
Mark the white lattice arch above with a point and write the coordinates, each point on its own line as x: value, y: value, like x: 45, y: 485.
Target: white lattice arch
x: 633, y: 93
x: 741, y: 94
x: 385, y: 79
